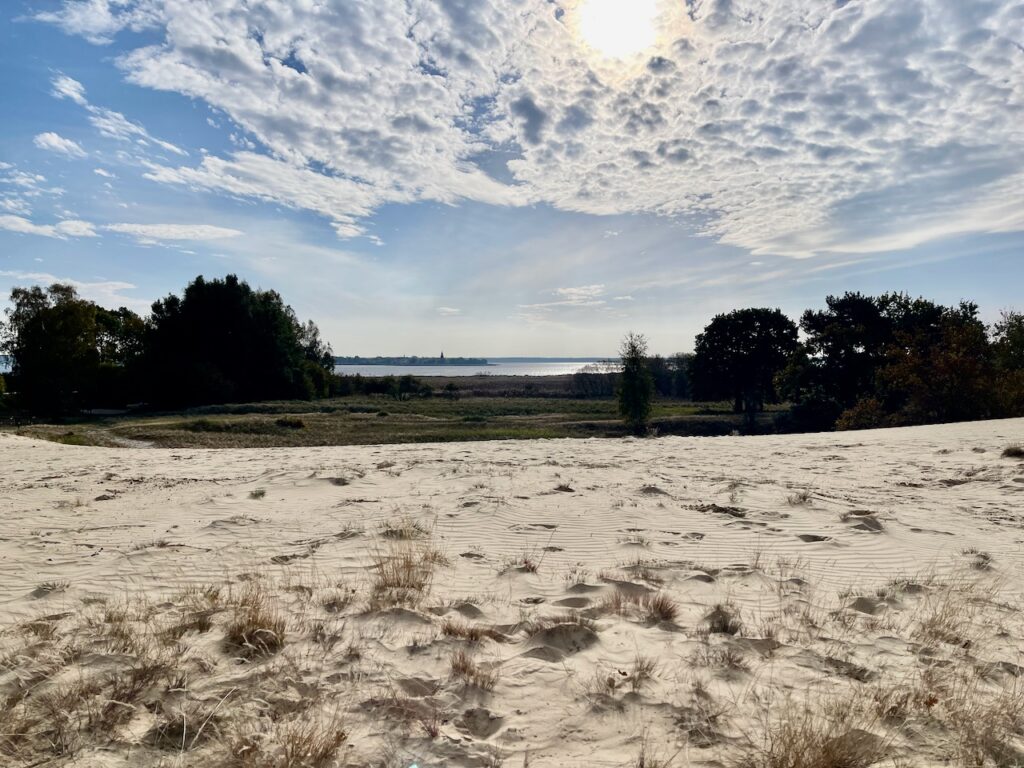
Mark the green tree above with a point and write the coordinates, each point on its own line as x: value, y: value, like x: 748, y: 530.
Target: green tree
x: 738, y: 356
x: 845, y: 345
x: 679, y: 364
x: 222, y: 341
x: 939, y: 371
x: 1008, y: 355
x: 1008, y: 341
x: 51, y: 336
x: 636, y: 387
x: 68, y: 353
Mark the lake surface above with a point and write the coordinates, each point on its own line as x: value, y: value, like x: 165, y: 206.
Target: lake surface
x: 496, y: 367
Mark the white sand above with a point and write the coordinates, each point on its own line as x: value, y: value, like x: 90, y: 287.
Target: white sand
x: 702, y: 520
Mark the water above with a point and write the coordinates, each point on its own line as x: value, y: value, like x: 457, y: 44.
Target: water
x: 496, y: 367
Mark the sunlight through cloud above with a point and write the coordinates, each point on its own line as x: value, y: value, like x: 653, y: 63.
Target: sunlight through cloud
x: 618, y: 29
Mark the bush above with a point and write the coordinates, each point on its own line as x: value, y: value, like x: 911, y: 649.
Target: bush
x: 868, y: 413
x: 810, y: 415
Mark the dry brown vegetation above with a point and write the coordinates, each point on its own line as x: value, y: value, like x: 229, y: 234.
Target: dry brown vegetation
x: 970, y: 710
x: 293, y: 662
x: 257, y: 627
x: 465, y: 668
x: 1015, y: 451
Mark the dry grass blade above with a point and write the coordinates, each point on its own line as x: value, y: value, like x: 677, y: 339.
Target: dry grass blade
x: 809, y: 739
x: 472, y: 633
x: 310, y: 742
x: 256, y: 627
x: 1014, y: 451
x: 660, y: 607
x: 465, y: 668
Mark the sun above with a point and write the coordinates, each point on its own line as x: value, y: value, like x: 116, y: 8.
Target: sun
x: 618, y: 29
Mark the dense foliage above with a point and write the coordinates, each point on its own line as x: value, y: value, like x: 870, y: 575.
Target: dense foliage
x: 892, y: 360
x: 738, y: 356
x: 636, y: 386
x: 221, y: 341
x: 67, y: 352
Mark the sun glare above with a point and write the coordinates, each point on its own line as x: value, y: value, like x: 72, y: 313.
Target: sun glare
x: 618, y: 29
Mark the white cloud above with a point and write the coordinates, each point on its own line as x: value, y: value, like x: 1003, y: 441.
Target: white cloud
x: 158, y: 232
x: 581, y: 296
x: 18, y: 190
x: 54, y: 142
x: 111, y: 124
x: 107, y: 293
x: 76, y: 228
x: 60, y: 230
x: 448, y: 311
x: 104, y: 173
x: 16, y: 205
x: 99, y: 20
x: 65, y: 87
x: 796, y: 127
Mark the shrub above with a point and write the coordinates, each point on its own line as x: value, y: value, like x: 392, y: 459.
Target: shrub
x: 868, y: 413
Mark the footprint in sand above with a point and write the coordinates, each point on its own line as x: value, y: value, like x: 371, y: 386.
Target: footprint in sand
x: 479, y: 723
x: 561, y: 640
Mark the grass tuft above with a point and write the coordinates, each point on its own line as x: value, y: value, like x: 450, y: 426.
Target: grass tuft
x: 256, y: 627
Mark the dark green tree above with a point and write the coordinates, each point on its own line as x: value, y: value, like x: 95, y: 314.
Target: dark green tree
x: 223, y: 341
x: 51, y: 336
x: 1008, y: 354
x: 738, y: 356
x: 938, y: 367
x: 845, y: 345
x: 1008, y: 341
x: 636, y: 386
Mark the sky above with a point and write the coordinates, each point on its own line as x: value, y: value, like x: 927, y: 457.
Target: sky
x: 515, y: 177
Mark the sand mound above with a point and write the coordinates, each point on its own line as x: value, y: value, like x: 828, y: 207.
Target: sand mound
x: 551, y: 603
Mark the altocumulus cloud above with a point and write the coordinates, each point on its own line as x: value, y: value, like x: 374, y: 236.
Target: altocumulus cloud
x: 795, y: 127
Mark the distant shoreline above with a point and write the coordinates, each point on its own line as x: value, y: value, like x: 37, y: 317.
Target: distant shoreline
x: 412, y: 361
x: 456, y: 362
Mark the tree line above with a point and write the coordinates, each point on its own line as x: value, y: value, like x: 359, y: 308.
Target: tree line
x: 861, y: 362
x: 220, y: 341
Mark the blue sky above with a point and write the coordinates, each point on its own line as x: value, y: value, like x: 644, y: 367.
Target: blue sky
x: 528, y: 177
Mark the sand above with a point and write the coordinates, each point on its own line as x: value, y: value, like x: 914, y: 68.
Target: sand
x: 693, y: 601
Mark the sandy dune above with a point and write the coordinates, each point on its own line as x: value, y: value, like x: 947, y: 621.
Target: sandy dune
x: 558, y: 605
